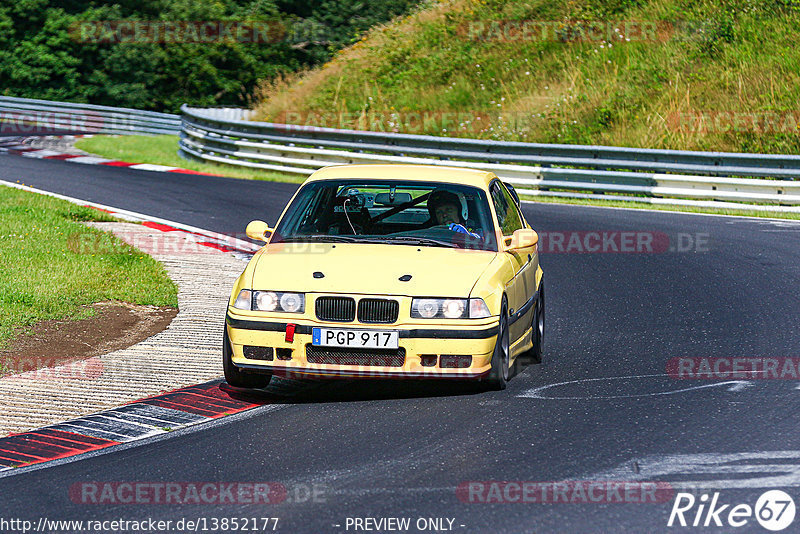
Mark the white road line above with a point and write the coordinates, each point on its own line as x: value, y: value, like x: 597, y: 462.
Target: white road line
x: 707, y: 470
x: 538, y: 393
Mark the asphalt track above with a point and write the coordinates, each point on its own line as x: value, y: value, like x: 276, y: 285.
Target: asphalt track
x: 601, y: 406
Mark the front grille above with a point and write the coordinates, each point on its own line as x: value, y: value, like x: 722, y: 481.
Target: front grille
x: 362, y: 357
x: 378, y: 310
x: 338, y: 309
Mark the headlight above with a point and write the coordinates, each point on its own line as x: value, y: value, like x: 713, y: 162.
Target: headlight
x: 425, y: 308
x: 242, y: 301
x: 449, y: 309
x: 292, y: 302
x: 271, y: 301
x: 265, y: 301
x: 453, y: 309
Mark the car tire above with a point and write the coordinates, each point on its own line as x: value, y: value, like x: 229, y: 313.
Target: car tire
x: 498, y: 374
x: 537, y: 324
x: 235, y: 376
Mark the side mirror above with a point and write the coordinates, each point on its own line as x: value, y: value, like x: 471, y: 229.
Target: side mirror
x: 257, y: 230
x: 522, y: 238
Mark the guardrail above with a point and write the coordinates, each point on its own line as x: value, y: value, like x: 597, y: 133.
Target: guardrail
x: 26, y: 116
x: 617, y: 173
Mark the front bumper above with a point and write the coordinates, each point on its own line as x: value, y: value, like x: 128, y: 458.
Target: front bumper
x: 421, y: 346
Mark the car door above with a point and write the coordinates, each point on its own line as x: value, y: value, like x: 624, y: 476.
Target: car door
x: 509, y: 220
x: 532, y: 266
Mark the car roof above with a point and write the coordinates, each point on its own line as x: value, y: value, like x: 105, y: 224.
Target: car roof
x: 421, y: 173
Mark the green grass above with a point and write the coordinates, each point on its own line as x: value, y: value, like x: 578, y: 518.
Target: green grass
x: 716, y: 56
x: 53, y: 266
x: 162, y: 150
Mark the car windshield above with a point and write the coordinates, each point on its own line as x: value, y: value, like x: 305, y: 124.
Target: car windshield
x: 389, y: 211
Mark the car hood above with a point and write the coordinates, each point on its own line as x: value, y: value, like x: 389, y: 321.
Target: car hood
x: 369, y: 269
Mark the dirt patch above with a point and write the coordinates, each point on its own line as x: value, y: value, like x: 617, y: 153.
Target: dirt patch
x: 115, y: 326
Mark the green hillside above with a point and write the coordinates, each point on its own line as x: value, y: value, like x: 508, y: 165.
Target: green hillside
x: 683, y: 74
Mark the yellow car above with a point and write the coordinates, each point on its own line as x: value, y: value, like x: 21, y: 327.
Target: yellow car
x: 389, y: 271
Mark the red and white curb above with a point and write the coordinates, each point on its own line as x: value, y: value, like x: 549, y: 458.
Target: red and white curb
x: 20, y: 149
x: 224, y: 243
x: 139, y: 420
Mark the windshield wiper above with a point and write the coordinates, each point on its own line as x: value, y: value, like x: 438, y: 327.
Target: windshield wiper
x: 322, y: 238
x: 410, y: 240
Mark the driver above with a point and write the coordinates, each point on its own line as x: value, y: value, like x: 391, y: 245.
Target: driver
x: 444, y: 208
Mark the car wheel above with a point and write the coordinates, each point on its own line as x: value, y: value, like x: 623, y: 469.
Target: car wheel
x: 235, y: 376
x: 498, y: 374
x: 538, y: 327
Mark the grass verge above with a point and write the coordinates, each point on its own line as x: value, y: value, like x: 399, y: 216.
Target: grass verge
x: 163, y: 150
x: 718, y: 75
x: 46, y: 274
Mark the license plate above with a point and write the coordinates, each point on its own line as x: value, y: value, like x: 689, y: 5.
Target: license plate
x: 359, y: 339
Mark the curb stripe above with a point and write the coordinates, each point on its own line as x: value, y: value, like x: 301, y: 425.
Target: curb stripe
x: 221, y: 248
x: 187, y: 171
x: 152, y: 167
x: 91, y: 160
x: 117, y: 163
x: 20, y: 458
x: 62, y: 156
x: 40, y: 153
x: 159, y: 226
x: 44, y: 443
x: 139, y: 420
x: 18, y: 149
x: 40, y: 451
x: 77, y: 439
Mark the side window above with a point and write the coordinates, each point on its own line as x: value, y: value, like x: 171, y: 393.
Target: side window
x: 507, y: 215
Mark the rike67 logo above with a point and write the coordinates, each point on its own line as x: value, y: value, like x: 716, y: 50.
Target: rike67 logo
x: 774, y: 510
